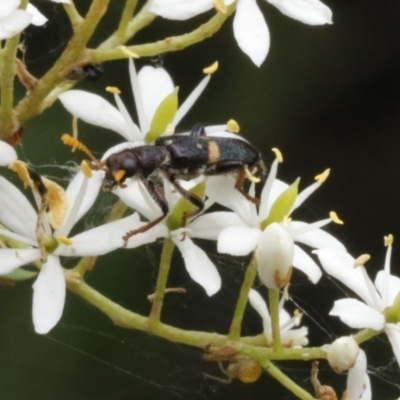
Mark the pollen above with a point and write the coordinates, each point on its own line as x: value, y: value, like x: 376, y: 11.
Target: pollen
x: 128, y: 52
x: 297, y: 315
x: 321, y: 178
x: 251, y: 177
x: 64, y: 240
x: 86, y: 170
x: 220, y: 6
x: 334, y: 217
x: 278, y: 154
x: 211, y: 68
x: 388, y: 240
x: 58, y: 203
x: 119, y: 175
x: 113, y: 90
x: 21, y: 169
x: 233, y: 126
x: 286, y: 220
x: 361, y: 260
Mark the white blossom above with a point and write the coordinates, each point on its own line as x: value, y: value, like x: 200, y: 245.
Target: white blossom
x: 19, y: 218
x: 342, y: 353
x: 249, y: 26
x: 377, y: 298
x: 291, y: 336
x: 358, y: 384
x: 245, y: 237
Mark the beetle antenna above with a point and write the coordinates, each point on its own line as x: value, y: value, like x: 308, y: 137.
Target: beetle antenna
x: 69, y: 140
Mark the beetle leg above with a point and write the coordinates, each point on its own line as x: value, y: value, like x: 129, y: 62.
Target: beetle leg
x: 159, y: 198
x: 197, y: 132
x: 191, y: 198
x: 239, y: 186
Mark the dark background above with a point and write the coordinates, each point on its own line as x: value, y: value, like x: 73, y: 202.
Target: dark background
x: 326, y: 97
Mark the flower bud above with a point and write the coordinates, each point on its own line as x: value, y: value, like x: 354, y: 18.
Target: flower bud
x: 342, y: 353
x: 275, y: 256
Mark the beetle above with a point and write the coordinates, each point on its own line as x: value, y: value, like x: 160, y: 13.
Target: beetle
x: 179, y: 156
x: 184, y: 156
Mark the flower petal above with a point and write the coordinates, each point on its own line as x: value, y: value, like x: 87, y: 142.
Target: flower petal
x: 390, y: 290
x: 48, y: 296
x: 10, y: 259
x: 393, y: 333
x: 209, y: 226
x: 295, y: 337
x: 94, y: 110
x: 180, y: 9
x: 259, y: 304
x: 155, y: 85
x: 7, y: 154
x: 306, y: 264
x: 15, y: 22
x: 238, y: 240
x: 200, y: 268
x: 16, y: 213
x: 358, y: 383
x: 316, y: 238
x: 130, y: 223
x: 340, y: 265
x: 311, y: 12
x: 357, y: 314
x: 251, y: 31
x: 38, y: 18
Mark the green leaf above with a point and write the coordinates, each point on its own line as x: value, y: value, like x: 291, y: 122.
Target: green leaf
x: 183, y: 206
x: 163, y: 116
x: 282, y: 205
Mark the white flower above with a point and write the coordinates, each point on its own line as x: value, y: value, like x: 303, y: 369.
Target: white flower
x: 377, y: 298
x: 358, y: 384
x: 290, y: 336
x: 150, y: 88
x: 278, y: 201
x: 250, y: 30
x: 199, y: 266
x: 342, y: 353
x: 20, y: 219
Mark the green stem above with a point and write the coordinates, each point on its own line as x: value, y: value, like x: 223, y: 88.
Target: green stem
x: 236, y: 324
x: 74, y: 17
x: 128, y: 319
x: 8, y: 125
x: 74, y: 54
x: 165, y: 265
x: 286, y: 381
x: 126, y: 16
x: 273, y: 295
x: 365, y: 335
x: 173, y: 43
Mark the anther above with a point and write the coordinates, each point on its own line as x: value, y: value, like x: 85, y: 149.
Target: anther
x: 321, y: 178
x: 113, y: 90
x: 233, y: 126
x: 388, y: 240
x: 278, y: 154
x: 334, y: 217
x: 211, y: 69
x: 68, y: 140
x: 361, y: 260
x: 251, y: 177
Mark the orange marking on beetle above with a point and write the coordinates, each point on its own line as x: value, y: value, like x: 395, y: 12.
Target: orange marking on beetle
x: 214, y: 154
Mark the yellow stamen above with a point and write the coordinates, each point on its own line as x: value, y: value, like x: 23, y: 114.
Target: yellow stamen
x: 119, y: 175
x: 113, y: 90
x: 334, y: 217
x: 251, y: 177
x: 86, y: 170
x: 128, y: 52
x: 361, y: 260
x: 68, y: 140
x: 170, y: 130
x: 285, y: 293
x: 278, y: 154
x: 21, y: 169
x: 321, y: 178
x: 233, y: 126
x: 388, y: 240
x: 298, y: 315
x: 211, y: 68
x: 64, y: 240
x: 220, y: 6
x: 58, y: 203
x: 286, y: 220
